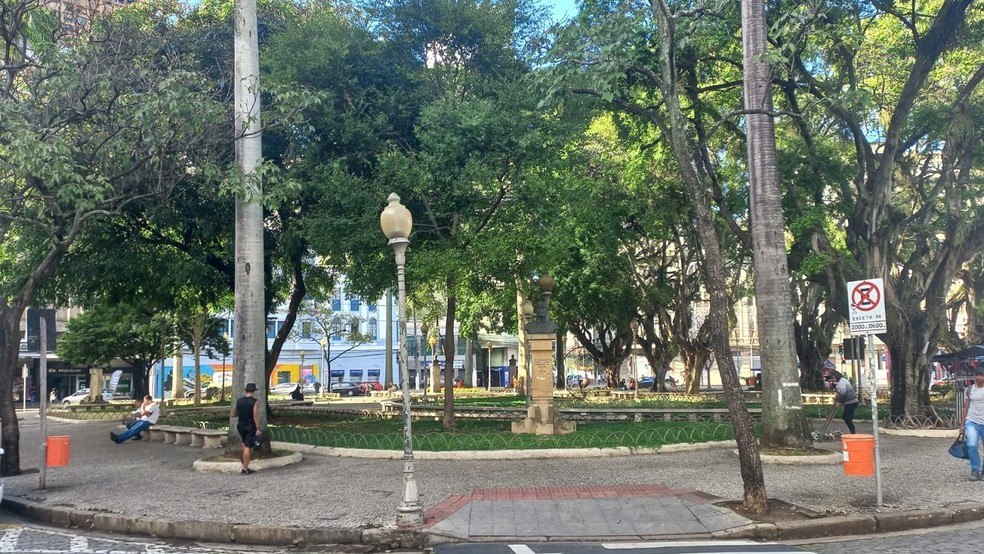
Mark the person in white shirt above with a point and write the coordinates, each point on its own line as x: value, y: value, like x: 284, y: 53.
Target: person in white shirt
x: 149, y: 414
x: 973, y: 421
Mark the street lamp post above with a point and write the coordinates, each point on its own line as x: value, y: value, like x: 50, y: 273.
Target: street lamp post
x: 432, y: 340
x: 300, y: 372
x: 488, y: 368
x: 397, y: 223
x: 423, y: 345
x: 321, y: 368
x: 226, y: 347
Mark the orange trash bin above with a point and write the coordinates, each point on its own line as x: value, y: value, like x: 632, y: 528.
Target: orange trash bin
x: 58, y: 447
x: 859, y: 454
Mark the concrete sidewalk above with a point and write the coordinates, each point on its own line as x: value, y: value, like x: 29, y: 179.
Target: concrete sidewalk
x: 148, y: 488
x: 599, y: 511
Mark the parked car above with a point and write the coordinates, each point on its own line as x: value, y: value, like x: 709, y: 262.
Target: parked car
x: 283, y: 389
x: 348, y: 389
x: 81, y: 395
x: 645, y: 383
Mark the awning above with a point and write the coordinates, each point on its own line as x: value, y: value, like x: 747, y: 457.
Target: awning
x: 970, y: 353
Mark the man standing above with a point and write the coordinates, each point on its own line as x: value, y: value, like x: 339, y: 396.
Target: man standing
x: 247, y: 411
x: 973, y: 421
x: 149, y: 413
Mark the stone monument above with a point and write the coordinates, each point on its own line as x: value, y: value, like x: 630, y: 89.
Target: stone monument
x: 542, y: 417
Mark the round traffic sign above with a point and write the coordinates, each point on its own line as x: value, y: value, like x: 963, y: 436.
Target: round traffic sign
x: 865, y: 296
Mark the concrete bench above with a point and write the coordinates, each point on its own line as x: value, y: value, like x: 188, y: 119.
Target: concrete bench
x: 390, y: 406
x: 171, y: 434
x: 208, y: 438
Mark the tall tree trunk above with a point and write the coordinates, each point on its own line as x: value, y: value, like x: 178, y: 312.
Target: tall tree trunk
x: 10, y: 344
x: 754, y: 497
x: 449, y: 346
x: 250, y: 345
x: 783, y: 422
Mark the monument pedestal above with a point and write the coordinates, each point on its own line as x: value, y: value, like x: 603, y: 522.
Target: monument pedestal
x: 542, y: 417
x: 435, y: 377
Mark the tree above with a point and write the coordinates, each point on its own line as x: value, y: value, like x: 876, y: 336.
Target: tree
x: 140, y: 337
x: 644, y: 68
x: 902, y: 122
x: 475, y: 143
x: 250, y: 343
x: 322, y: 324
x: 113, y: 120
x: 783, y: 422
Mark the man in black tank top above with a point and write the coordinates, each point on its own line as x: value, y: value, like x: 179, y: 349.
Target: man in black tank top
x: 248, y: 411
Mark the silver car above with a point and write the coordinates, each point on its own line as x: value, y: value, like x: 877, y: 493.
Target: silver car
x: 81, y: 395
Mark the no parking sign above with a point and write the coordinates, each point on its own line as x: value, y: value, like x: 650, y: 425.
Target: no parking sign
x: 866, y: 306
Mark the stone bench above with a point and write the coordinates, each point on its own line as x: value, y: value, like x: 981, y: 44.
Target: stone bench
x: 170, y: 434
x: 208, y: 438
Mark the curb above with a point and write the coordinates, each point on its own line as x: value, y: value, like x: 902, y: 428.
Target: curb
x: 383, y: 538
x: 392, y: 538
x: 856, y: 525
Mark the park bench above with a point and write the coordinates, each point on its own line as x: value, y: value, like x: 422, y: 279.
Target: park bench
x: 171, y: 434
x: 208, y: 438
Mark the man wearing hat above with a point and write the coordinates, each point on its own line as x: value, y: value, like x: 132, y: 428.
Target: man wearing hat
x: 973, y: 421
x: 248, y: 411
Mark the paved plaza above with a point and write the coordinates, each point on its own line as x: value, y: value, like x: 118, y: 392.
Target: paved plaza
x: 149, y: 487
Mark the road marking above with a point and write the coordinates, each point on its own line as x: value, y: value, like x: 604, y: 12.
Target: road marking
x: 78, y: 544
x: 523, y: 549
x: 8, y: 543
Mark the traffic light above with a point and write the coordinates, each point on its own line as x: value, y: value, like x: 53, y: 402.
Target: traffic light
x: 848, y: 350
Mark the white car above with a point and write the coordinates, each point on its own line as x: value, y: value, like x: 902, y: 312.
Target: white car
x: 287, y: 388
x: 83, y: 394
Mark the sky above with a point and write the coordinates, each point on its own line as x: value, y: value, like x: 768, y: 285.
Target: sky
x: 561, y: 9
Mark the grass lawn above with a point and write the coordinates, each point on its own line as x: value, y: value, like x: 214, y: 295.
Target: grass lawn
x: 387, y: 434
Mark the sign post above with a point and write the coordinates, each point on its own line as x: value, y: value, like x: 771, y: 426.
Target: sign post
x: 867, y: 315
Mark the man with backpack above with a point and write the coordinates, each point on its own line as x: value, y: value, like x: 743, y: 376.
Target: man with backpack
x: 973, y: 421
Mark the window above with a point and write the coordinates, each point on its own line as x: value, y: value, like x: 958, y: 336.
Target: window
x: 336, y: 304
x: 354, y: 304
x: 271, y: 331
x: 372, y: 306
x: 355, y: 375
x: 373, y: 375
x: 372, y: 329
x: 306, y: 327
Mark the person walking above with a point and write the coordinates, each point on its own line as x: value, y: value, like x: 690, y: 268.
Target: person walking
x: 847, y: 397
x: 247, y: 411
x: 973, y: 421
x: 53, y: 396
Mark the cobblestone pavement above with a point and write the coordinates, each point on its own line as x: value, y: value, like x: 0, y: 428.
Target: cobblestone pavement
x: 964, y: 539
